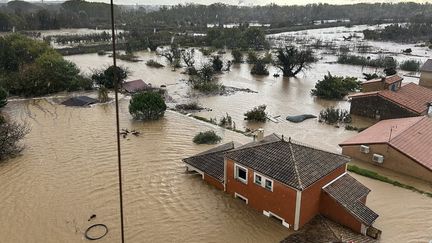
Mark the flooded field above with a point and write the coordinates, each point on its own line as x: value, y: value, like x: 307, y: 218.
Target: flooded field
x: 69, y: 171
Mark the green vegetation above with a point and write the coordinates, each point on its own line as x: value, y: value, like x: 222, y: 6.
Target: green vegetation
x: 412, y: 32
x: 237, y: 38
x: 217, y: 64
x: 252, y: 57
x: 153, y: 63
x: 205, y: 81
x: 380, y: 62
x: 3, y: 97
x: 370, y: 76
x: 227, y: 122
x: 260, y: 68
x: 103, y: 94
x: 208, y: 137
x: 335, y: 87
x: 237, y: 56
x: 257, y: 114
x: 106, y: 77
x: 333, y: 115
x: 291, y: 60
x: 376, y: 176
x: 10, y: 135
x: 32, y: 68
x: 192, y: 106
x: 410, y: 65
x: 147, y: 106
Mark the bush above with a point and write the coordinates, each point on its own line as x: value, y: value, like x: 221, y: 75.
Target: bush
x: 217, y: 64
x: 380, y: 62
x: 3, y: 97
x: 410, y: 65
x: 259, y: 68
x: 227, y: 122
x: 237, y: 56
x: 153, y: 63
x: 257, y: 114
x: 208, y: 137
x: 10, y: 135
x: 252, y: 57
x: 192, y: 106
x: 147, y: 106
x: 204, y: 80
x: 332, y: 115
x: 335, y: 87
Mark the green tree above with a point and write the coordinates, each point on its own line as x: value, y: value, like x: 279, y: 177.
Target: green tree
x: 334, y: 87
x: 147, y: 106
x: 292, y: 60
x: 3, y: 97
x: 237, y: 56
x: 10, y: 135
x: 257, y: 114
x: 106, y: 78
x: 208, y: 137
x: 259, y: 68
x: 217, y: 64
x: 103, y: 94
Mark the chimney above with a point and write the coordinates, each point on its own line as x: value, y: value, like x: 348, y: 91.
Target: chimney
x: 259, y: 134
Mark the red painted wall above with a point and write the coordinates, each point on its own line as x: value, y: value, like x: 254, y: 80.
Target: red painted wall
x: 334, y: 211
x: 281, y: 201
x: 212, y: 181
x: 310, y: 199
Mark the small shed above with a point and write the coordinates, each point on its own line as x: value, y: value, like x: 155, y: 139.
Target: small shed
x: 426, y: 74
x: 135, y: 86
x: 80, y: 101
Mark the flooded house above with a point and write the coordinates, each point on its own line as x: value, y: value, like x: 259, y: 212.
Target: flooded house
x: 405, y: 101
x: 393, y: 83
x: 426, y: 74
x: 135, y: 86
x: 287, y: 181
x: 80, y: 101
x: 402, y: 145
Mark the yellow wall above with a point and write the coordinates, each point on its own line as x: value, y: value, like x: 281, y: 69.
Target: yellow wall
x: 393, y: 160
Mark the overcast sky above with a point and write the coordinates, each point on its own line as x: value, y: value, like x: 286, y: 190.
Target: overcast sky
x: 249, y: 2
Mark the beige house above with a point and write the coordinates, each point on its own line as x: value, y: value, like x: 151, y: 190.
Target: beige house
x: 402, y: 145
x: 426, y: 74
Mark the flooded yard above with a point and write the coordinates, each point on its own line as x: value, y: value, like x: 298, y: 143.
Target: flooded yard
x: 68, y: 170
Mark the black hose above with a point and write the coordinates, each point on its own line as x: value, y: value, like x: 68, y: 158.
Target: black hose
x: 94, y: 226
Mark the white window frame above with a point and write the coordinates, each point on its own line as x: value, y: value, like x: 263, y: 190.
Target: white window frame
x: 263, y: 181
x: 236, y: 195
x: 236, y: 167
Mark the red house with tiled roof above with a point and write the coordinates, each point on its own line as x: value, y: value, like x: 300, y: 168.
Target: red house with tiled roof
x: 288, y: 181
x: 135, y: 86
x: 393, y: 82
x: 407, y: 101
x: 403, y: 145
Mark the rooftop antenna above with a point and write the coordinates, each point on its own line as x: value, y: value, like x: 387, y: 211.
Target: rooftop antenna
x: 116, y: 89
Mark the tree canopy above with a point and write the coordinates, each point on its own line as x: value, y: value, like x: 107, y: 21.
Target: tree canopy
x: 335, y: 87
x: 106, y: 77
x: 292, y: 60
x: 147, y: 106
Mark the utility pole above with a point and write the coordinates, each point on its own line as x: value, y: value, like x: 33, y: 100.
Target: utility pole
x: 116, y: 90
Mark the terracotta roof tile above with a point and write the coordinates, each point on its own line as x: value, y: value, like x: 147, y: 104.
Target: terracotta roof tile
x: 348, y: 192
x: 411, y: 136
x: 389, y: 80
x: 295, y: 165
x: 211, y: 161
x: 410, y: 96
x: 135, y: 85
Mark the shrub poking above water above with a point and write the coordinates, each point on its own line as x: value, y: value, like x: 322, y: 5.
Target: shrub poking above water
x: 257, y: 114
x: 333, y: 115
x: 147, y: 106
x: 208, y: 137
x: 153, y: 63
x: 335, y: 87
x: 260, y: 68
x: 410, y: 65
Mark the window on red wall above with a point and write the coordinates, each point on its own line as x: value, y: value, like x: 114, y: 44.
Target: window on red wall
x: 241, y: 173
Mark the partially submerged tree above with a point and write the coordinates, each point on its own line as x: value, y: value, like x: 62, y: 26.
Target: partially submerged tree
x: 204, y: 80
x: 106, y: 78
x: 257, y: 114
x: 172, y: 55
x: 252, y: 57
x: 147, y: 106
x: 335, y: 87
x: 237, y: 56
x: 370, y: 76
x: 188, y: 57
x: 103, y: 94
x: 10, y: 135
x: 217, y: 64
x: 292, y: 60
x: 208, y: 137
x: 333, y: 115
x: 3, y: 97
x: 260, y: 68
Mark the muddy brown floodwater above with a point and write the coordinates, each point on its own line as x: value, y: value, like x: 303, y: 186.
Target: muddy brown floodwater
x: 69, y: 172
